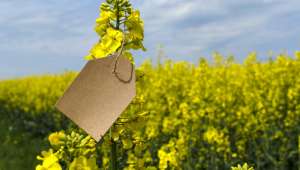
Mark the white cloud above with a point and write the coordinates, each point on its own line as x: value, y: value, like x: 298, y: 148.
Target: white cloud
x: 187, y: 28
x: 198, y: 26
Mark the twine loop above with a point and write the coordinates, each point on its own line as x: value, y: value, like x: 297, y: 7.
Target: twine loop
x: 116, y: 61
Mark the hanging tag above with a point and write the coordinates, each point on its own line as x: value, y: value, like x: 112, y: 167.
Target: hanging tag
x: 100, y: 93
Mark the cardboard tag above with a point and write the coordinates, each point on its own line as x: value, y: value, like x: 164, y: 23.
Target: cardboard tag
x: 98, y: 96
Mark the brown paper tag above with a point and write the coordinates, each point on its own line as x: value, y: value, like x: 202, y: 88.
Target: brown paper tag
x: 97, y: 96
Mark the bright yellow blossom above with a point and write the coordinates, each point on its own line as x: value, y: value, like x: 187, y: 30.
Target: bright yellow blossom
x: 212, y: 135
x: 244, y: 167
x: 50, y: 161
x: 109, y: 44
x: 57, y: 138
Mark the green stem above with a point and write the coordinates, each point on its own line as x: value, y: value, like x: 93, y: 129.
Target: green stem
x: 113, y: 152
x: 118, y: 15
x: 113, y: 144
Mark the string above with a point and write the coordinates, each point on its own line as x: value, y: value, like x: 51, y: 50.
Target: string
x: 116, y: 61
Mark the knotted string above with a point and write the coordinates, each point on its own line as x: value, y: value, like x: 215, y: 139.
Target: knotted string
x: 116, y: 61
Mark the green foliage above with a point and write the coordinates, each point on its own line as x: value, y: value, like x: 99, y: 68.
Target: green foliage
x: 27, y: 105
x: 18, y: 151
x: 27, y: 115
x: 204, y: 116
x: 72, y: 151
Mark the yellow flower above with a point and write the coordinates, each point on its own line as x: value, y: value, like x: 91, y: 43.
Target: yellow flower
x: 297, y: 54
x: 50, y: 161
x: 109, y: 44
x: 101, y: 29
x: 103, y: 22
x: 212, y: 136
x: 82, y: 163
x: 135, y: 25
x: 57, y: 138
x: 112, y: 40
x: 127, y: 143
x: 244, y: 167
x: 104, y: 17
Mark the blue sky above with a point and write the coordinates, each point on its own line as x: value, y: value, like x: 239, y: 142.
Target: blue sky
x: 53, y: 36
